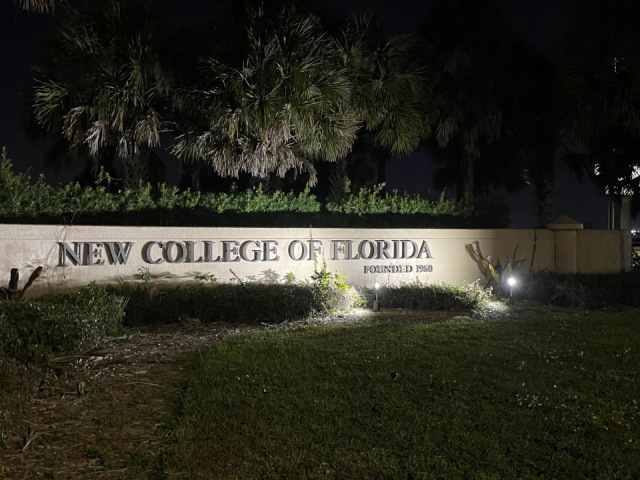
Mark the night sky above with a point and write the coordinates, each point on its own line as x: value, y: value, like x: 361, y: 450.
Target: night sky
x: 542, y: 22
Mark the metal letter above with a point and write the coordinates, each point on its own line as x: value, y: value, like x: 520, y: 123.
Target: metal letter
x: 383, y: 249
x: 313, y: 249
x: 227, y: 252
x: 292, y: 247
x: 257, y: 254
x: 169, y: 246
x: 208, y: 252
x: 269, y: 250
x: 92, y: 254
x: 337, y: 248
x: 372, y: 253
x: 405, y: 249
x: 122, y: 255
x: 146, y: 255
x: 424, y: 249
x: 74, y: 254
x: 190, y: 248
x: 350, y: 251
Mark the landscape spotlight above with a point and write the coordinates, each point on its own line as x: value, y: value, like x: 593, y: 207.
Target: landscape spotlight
x: 511, y: 281
x: 376, y: 304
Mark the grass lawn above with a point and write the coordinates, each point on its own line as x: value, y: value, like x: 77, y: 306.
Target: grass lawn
x: 546, y: 398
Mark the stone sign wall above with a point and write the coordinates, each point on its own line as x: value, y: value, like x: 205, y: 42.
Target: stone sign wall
x: 74, y: 256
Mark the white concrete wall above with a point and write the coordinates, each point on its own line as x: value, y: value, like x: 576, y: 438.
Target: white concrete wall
x: 29, y: 246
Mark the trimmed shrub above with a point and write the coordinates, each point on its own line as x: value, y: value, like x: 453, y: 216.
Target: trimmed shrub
x: 229, y: 302
x: 33, y: 329
x: 581, y: 290
x: 374, y: 201
x: 22, y: 201
x: 432, y: 296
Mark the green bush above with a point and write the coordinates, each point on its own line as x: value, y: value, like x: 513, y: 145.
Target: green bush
x: 33, y: 329
x: 21, y: 200
x: 488, y: 210
x: 373, y: 201
x: 594, y: 291
x: 19, y: 197
x: 249, y: 302
x: 432, y: 296
x: 258, y: 201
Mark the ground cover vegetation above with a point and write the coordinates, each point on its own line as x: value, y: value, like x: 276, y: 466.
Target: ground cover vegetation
x: 549, y: 398
x: 32, y: 330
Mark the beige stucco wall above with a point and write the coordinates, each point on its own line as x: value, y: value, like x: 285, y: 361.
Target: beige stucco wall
x: 28, y: 246
x: 566, y: 252
x: 603, y: 251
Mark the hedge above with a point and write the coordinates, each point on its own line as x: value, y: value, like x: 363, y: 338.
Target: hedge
x: 24, y: 201
x: 431, y: 296
x: 593, y: 291
x: 249, y: 303
x: 33, y: 329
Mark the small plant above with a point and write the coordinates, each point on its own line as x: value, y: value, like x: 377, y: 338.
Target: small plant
x: 339, y: 282
x: 205, y: 279
x: 145, y: 274
x: 290, y: 278
x: 105, y: 458
x: 321, y: 278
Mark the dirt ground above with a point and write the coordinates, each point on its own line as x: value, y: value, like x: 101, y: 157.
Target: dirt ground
x: 103, y: 414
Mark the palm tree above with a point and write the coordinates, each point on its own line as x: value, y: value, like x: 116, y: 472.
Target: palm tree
x: 599, y: 83
x: 277, y: 99
x: 102, y: 87
x: 41, y: 6
x: 389, y: 90
x: 545, y: 137
x: 479, y: 84
x: 389, y: 83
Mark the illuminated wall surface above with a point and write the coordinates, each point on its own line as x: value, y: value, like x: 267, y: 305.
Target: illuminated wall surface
x: 74, y: 256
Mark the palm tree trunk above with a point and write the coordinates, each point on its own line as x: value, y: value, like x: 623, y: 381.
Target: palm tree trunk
x: 382, y: 170
x: 464, y: 186
x: 544, y: 180
x: 545, y: 191
x: 336, y: 180
x: 135, y: 170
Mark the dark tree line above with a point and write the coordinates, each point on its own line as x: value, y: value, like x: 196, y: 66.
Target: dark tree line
x: 274, y: 89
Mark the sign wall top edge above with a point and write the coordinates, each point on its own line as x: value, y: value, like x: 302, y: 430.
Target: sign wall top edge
x: 61, y: 232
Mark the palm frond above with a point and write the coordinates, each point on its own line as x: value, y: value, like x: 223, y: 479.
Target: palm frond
x: 41, y: 6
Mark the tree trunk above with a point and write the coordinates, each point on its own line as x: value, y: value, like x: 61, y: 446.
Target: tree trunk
x: 465, y: 178
x: 544, y: 180
x: 545, y: 186
x: 337, y: 180
x: 382, y: 170
x: 13, y: 281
